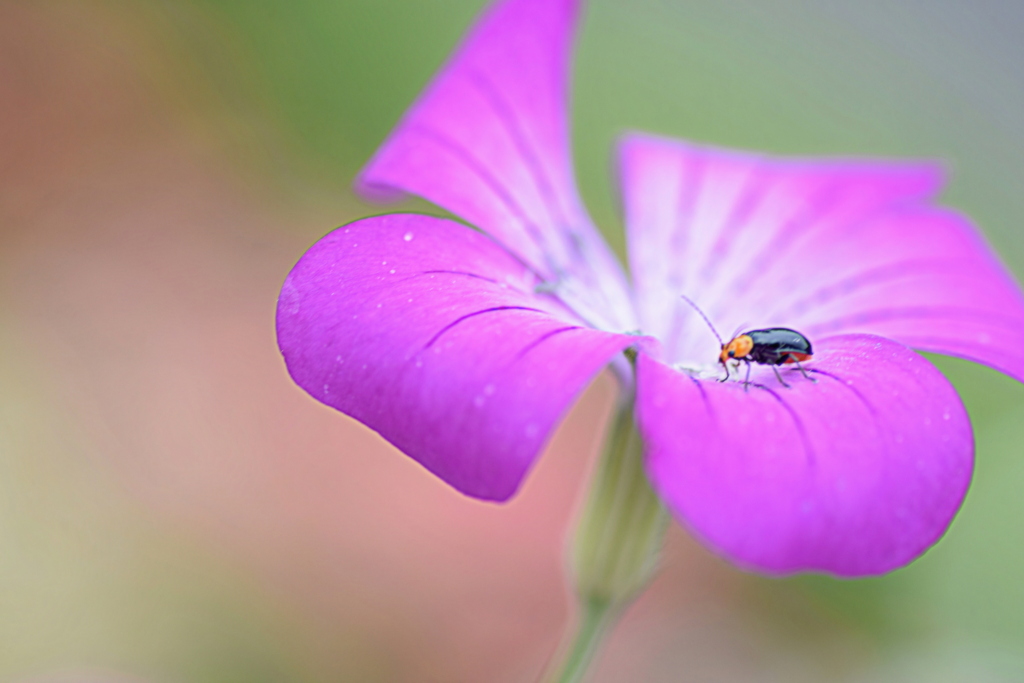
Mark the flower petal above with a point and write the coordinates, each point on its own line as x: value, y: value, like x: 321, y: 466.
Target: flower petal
x: 488, y: 140
x: 432, y: 335
x: 856, y: 474
x: 822, y: 246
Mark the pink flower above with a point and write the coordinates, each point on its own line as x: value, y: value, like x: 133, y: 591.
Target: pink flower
x: 465, y: 348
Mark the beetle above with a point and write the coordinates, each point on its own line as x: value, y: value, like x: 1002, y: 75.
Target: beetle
x: 772, y: 346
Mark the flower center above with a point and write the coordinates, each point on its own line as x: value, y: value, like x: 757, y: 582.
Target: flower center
x: 700, y: 370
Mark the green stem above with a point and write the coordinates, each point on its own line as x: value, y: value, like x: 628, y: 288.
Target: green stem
x: 617, y: 543
x: 595, y: 618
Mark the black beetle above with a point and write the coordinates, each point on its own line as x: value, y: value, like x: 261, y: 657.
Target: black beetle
x: 772, y: 346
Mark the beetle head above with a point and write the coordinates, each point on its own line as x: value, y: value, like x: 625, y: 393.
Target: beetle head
x: 738, y: 348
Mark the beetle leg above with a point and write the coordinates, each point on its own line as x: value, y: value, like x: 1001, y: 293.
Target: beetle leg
x: 726, y: 366
x: 804, y: 372
x: 781, y: 381
x: 746, y: 381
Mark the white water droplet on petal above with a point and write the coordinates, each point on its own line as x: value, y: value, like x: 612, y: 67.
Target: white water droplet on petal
x: 410, y: 300
x: 531, y: 430
x: 478, y: 401
x: 945, y: 415
x: 419, y: 363
x: 392, y: 271
x: 337, y: 358
x: 383, y: 263
x: 489, y: 390
x: 408, y: 237
x: 327, y: 388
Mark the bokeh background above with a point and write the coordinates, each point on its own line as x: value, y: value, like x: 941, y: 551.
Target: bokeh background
x: 173, y: 508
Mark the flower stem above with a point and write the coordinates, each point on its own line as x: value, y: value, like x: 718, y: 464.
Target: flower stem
x: 595, y: 618
x: 616, y: 546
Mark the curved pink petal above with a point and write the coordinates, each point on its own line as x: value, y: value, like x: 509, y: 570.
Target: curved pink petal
x: 488, y: 140
x: 432, y: 335
x: 821, y: 246
x: 856, y: 474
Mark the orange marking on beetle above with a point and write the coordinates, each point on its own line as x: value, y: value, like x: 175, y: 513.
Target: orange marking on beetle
x: 738, y: 348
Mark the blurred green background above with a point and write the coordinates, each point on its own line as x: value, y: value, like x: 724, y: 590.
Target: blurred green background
x: 172, y: 508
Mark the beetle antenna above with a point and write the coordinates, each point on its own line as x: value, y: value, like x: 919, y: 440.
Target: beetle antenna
x: 697, y: 308
x: 739, y: 329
